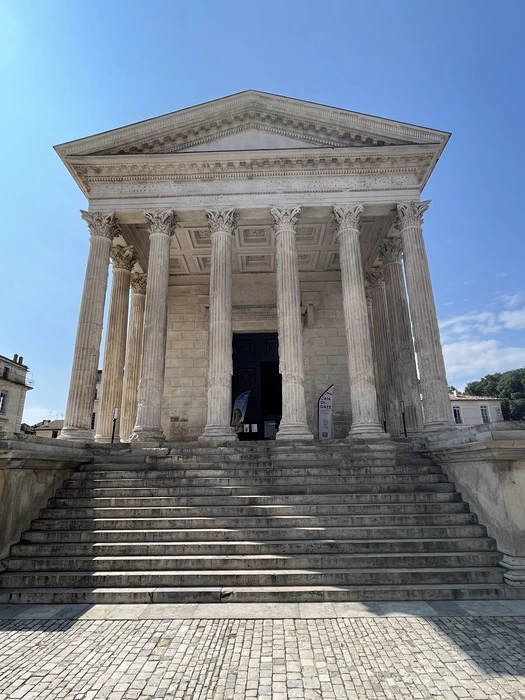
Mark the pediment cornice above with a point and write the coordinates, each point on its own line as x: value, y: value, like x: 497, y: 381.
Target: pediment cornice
x: 319, y: 125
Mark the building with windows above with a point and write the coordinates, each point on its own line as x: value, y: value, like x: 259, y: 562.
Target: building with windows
x: 265, y: 242
x: 475, y: 410
x: 14, y: 385
x: 48, y: 428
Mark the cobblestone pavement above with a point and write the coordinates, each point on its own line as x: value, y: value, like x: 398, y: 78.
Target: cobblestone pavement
x: 369, y: 656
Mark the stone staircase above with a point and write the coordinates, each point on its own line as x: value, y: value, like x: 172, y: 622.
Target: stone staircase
x: 246, y: 524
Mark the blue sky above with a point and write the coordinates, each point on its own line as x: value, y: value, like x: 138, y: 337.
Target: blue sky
x: 70, y: 68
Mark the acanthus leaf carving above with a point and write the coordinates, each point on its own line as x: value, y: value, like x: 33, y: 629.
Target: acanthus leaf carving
x: 123, y: 257
x: 285, y: 218
x: 138, y: 282
x: 391, y: 250
x: 161, y: 221
x: 222, y: 220
x: 375, y: 277
x: 102, y: 224
x: 411, y: 214
x: 347, y: 217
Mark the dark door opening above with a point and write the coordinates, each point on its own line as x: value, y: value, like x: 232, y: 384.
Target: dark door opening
x: 256, y: 367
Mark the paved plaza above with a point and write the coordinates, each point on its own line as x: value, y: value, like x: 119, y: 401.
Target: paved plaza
x: 283, y: 651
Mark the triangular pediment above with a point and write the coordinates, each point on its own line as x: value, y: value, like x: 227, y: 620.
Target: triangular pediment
x: 253, y: 138
x: 253, y: 121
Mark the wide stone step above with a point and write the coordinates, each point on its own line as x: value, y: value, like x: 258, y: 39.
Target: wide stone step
x: 62, y: 509
x: 254, y: 594
x: 242, y: 523
x: 170, y: 487
x: 248, y: 577
x: 261, y: 562
x: 153, y: 478
x: 248, y: 471
x: 152, y: 497
x: 168, y: 534
x: 279, y: 547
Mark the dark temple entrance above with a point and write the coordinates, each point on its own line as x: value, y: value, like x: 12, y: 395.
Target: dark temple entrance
x: 256, y: 367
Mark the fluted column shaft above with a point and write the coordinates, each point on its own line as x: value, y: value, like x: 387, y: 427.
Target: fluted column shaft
x: 436, y: 403
x: 115, y: 349
x: 220, y: 334
x: 128, y: 414
x: 404, y: 360
x: 382, y: 343
x: 293, y: 425
x: 77, y: 420
x: 151, y: 385
x: 363, y: 397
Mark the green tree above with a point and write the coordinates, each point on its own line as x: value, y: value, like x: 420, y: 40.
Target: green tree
x: 507, y: 386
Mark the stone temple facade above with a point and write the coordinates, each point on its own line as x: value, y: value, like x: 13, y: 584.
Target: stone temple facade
x: 264, y: 243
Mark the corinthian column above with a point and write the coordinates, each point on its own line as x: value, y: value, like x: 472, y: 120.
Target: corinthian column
x: 436, y: 403
x: 293, y: 424
x: 151, y: 385
x: 220, y: 366
x: 123, y: 260
x: 77, y: 420
x: 404, y: 360
x: 363, y: 397
x: 128, y: 413
x: 382, y: 344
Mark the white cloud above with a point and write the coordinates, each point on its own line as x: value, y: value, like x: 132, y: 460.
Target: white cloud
x: 467, y: 325
x: 514, y: 320
x: 511, y: 299
x: 468, y: 360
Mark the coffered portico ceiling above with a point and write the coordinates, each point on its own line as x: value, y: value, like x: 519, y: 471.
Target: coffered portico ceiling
x: 253, y: 150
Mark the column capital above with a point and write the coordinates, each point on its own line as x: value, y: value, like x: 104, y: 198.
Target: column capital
x: 123, y: 257
x: 411, y: 214
x: 375, y: 277
x: 161, y: 221
x: 285, y: 218
x: 345, y: 218
x: 104, y: 224
x: 391, y: 250
x: 222, y: 220
x: 138, y: 282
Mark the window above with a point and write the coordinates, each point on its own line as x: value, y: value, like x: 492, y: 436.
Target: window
x: 54, y: 434
x: 458, y: 418
x: 5, y: 373
x: 485, y: 417
x: 93, y: 416
x: 3, y: 401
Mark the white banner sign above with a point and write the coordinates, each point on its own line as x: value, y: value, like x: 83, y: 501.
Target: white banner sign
x: 324, y: 413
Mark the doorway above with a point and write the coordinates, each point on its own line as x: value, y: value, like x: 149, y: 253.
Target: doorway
x: 256, y: 368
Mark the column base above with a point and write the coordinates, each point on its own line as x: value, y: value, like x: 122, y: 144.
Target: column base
x: 76, y: 434
x: 294, y: 431
x: 147, y: 435
x: 218, y: 433
x: 515, y: 570
x: 374, y: 429
x: 105, y: 439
